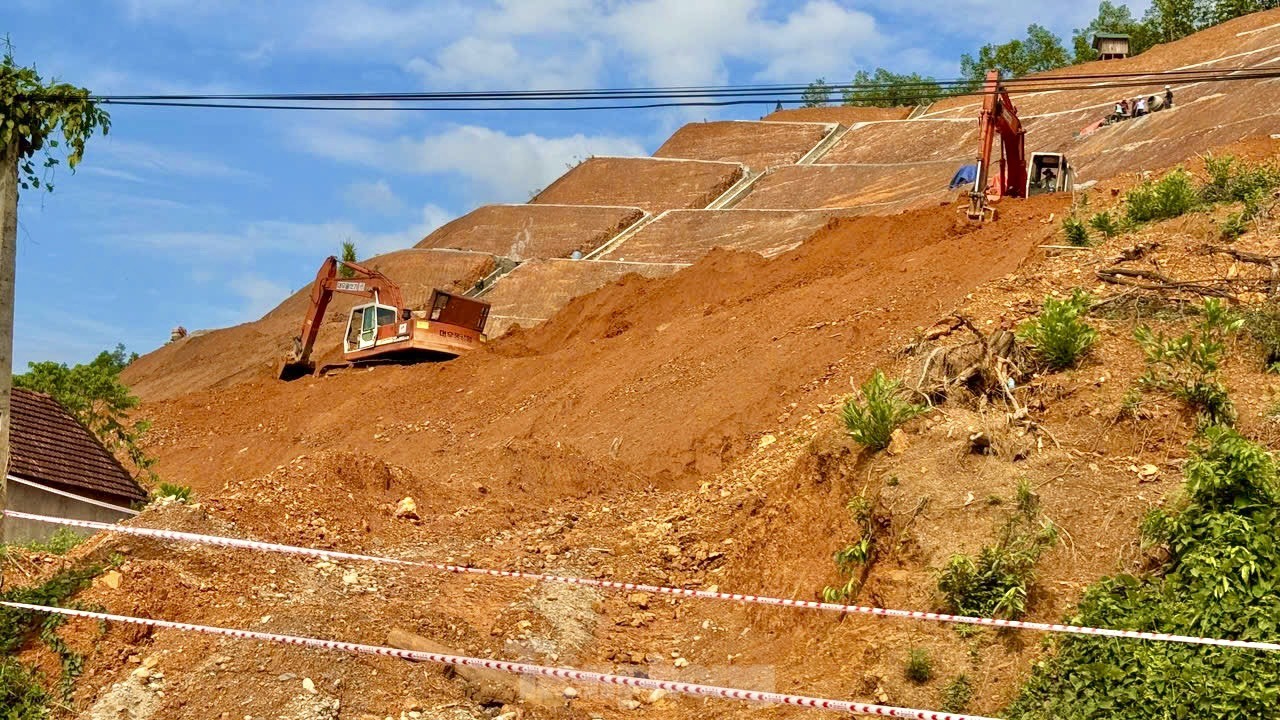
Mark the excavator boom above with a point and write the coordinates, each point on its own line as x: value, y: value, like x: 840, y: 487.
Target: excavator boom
x: 999, y: 118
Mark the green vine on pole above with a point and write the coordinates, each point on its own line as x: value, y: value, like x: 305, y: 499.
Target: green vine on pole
x: 34, y: 112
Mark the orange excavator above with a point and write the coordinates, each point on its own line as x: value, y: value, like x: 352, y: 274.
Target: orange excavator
x: 384, y: 330
x: 1016, y: 175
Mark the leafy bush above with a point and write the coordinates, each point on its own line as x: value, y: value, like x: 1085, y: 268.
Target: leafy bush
x: 1077, y: 234
x: 1172, y: 195
x: 995, y: 584
x: 1218, y: 579
x: 1059, y: 335
x: 1186, y: 367
x: 919, y: 667
x: 348, y: 256
x: 1105, y: 223
x: 22, y: 696
x: 59, y: 543
x: 1232, y: 181
x: 181, y: 493
x: 1263, y: 325
x: 883, y: 408
x: 854, y: 559
x: 957, y: 695
x: 1234, y: 226
x: 94, y: 394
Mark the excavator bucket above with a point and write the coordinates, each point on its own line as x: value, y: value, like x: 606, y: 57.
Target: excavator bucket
x: 294, y: 369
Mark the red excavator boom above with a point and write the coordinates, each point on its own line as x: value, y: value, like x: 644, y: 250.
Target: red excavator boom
x: 999, y: 117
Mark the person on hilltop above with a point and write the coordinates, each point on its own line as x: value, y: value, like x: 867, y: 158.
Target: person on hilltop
x: 1168, y: 97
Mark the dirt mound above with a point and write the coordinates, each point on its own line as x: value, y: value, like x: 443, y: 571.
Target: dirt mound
x: 218, y: 358
x: 521, y: 232
x: 838, y: 114
x: 757, y: 145
x: 653, y: 184
x: 538, y: 289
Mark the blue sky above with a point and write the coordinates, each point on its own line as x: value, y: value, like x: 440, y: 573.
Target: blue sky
x: 207, y: 218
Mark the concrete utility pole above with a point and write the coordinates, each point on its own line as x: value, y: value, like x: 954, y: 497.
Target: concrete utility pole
x: 8, y: 261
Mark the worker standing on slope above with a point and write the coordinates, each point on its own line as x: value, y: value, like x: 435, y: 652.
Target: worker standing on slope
x: 1141, y: 108
x: 1168, y: 97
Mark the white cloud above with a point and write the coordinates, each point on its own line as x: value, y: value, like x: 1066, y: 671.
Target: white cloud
x: 489, y: 63
x: 502, y: 167
x: 376, y: 197
x: 258, y: 294
x: 821, y: 39
x: 141, y: 157
x: 343, y: 25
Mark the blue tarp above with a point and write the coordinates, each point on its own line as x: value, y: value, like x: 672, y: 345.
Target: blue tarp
x: 964, y: 176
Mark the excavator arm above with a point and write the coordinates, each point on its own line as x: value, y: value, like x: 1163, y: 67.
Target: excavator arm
x: 999, y: 118
x: 364, y: 282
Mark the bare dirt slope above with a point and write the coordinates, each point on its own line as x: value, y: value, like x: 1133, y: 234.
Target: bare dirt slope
x: 528, y: 231
x: 757, y: 145
x: 652, y: 184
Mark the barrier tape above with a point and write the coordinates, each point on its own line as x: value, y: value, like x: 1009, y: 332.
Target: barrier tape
x: 658, y: 589
x: 559, y: 673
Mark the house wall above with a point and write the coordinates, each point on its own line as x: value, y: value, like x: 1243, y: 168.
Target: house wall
x: 25, y: 498
x: 1113, y: 47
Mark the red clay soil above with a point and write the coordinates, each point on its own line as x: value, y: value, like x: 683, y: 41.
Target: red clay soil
x: 538, y: 289
x: 521, y: 232
x: 869, y: 189
x: 651, y: 184
x: 250, y: 351
x: 683, y: 236
x: 757, y: 145
x: 906, y: 142
x: 839, y: 114
x: 596, y: 388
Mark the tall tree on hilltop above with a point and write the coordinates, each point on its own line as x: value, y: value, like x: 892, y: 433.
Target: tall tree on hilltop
x: 1112, y: 18
x: 32, y: 113
x: 1041, y: 50
x: 817, y: 94
x: 890, y: 89
x: 1169, y: 20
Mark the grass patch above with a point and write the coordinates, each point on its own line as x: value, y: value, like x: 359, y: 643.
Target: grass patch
x: 919, y: 668
x: 1106, y: 224
x: 883, y: 407
x: 957, y: 695
x: 22, y: 694
x: 1218, y: 579
x: 1059, y: 335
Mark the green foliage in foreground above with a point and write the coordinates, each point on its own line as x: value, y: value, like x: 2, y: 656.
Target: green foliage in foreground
x: 1059, y: 335
x: 1221, y: 579
x: 872, y: 420
x: 1173, y: 195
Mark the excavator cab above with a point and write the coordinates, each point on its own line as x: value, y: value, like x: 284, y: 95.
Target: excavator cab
x: 1048, y: 173
x: 372, y: 324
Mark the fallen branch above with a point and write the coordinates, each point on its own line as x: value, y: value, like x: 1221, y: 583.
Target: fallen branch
x: 1158, y: 281
x: 1271, y: 262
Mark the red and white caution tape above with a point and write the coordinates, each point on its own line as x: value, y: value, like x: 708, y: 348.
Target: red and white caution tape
x: 658, y: 589
x: 522, y: 668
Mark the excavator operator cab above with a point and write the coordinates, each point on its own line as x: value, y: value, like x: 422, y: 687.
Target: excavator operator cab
x: 1048, y: 173
x: 364, y: 328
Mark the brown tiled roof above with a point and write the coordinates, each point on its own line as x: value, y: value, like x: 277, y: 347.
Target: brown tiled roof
x: 47, y: 445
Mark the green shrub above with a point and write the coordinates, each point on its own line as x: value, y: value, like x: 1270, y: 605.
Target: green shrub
x: 856, y: 557
x: 1217, y: 579
x: 1059, y: 335
x: 995, y: 584
x: 1234, y: 226
x: 1263, y: 324
x: 1232, y: 181
x: 348, y: 256
x: 1105, y: 223
x: 1077, y: 234
x: 872, y: 420
x: 957, y: 695
x: 181, y: 493
x: 1187, y: 367
x: 1170, y: 196
x: 22, y: 696
x: 59, y: 543
x: 919, y: 667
